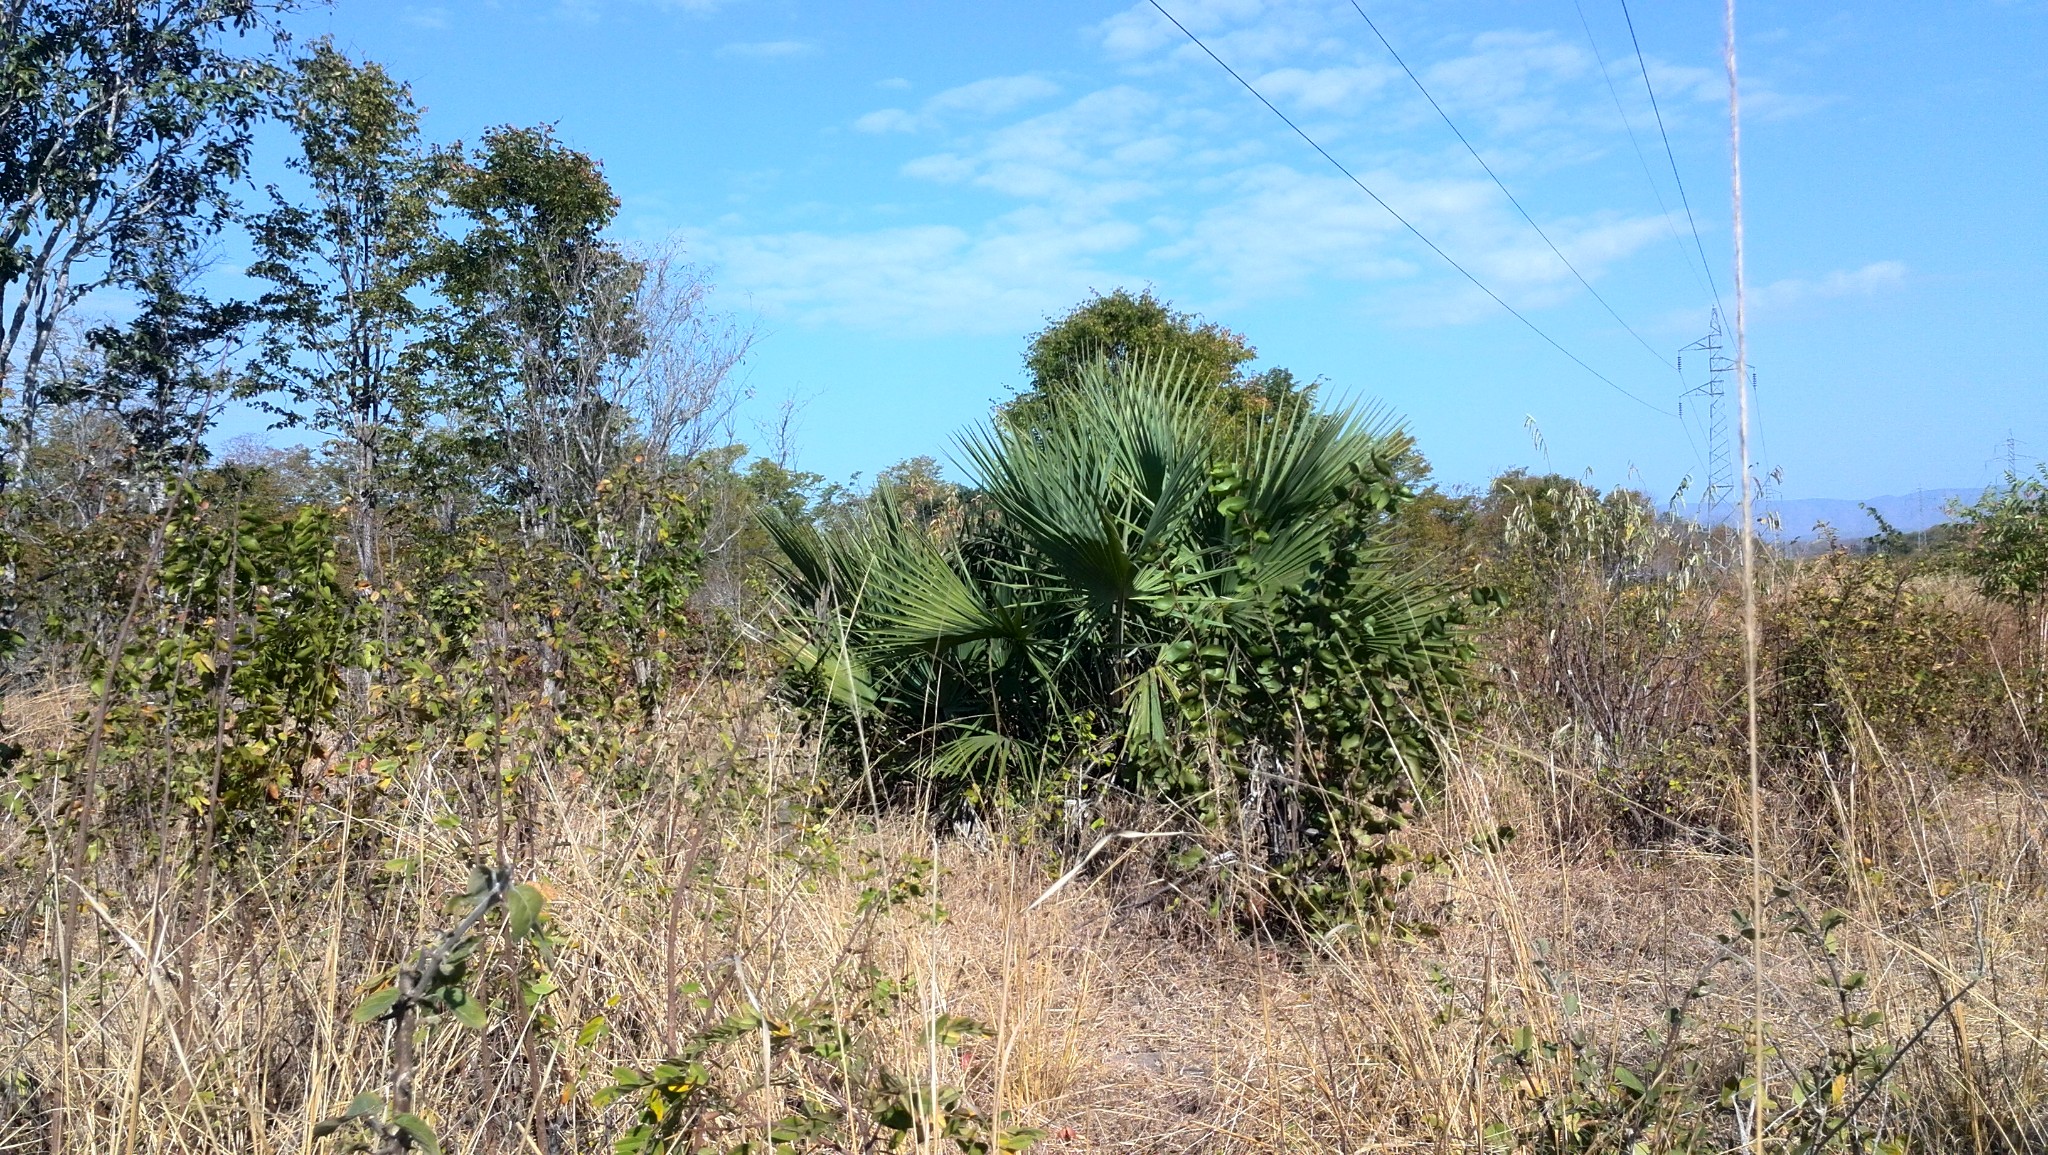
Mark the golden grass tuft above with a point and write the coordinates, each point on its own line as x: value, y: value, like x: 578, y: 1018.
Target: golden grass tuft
x: 214, y: 1016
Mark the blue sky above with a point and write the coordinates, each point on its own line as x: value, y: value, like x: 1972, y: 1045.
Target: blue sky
x: 897, y: 195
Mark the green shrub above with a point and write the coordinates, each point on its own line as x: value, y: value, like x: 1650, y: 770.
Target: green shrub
x: 1147, y: 602
x: 1856, y: 651
x: 2006, y: 541
x: 229, y: 677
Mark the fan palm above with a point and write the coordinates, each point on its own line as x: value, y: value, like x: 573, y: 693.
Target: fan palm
x: 1140, y: 577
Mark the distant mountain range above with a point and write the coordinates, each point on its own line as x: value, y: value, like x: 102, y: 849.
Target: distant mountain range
x: 1797, y: 517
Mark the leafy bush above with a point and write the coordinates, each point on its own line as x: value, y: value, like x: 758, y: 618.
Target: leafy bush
x: 229, y: 678
x: 1859, y: 651
x: 2006, y: 535
x: 1615, y: 640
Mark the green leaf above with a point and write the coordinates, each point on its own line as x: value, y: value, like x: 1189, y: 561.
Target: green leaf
x: 422, y: 1135
x: 593, y: 1029
x: 364, y: 1106
x: 467, y: 1011
x: 523, y: 905
x: 376, y: 1006
x: 954, y: 1031
x: 896, y: 1115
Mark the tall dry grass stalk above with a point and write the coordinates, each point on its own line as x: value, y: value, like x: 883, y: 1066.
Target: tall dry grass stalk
x: 1120, y: 1020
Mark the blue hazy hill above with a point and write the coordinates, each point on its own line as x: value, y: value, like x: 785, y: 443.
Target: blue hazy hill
x: 1796, y: 518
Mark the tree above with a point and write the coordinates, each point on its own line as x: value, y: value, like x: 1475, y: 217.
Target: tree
x: 571, y: 358
x: 539, y: 308
x: 343, y: 269
x: 1123, y: 327
x: 125, y: 126
x: 163, y: 373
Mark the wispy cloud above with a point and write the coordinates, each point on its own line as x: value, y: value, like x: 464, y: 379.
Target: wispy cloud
x: 983, y: 98
x: 1169, y: 175
x: 1325, y: 89
x: 888, y: 120
x: 925, y: 279
x: 1868, y: 281
x: 769, y: 49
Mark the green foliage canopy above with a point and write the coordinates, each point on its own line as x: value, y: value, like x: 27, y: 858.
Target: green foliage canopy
x: 126, y: 127
x: 342, y: 269
x: 2007, y: 540
x: 1123, y: 328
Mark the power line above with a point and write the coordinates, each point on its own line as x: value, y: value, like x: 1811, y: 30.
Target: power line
x: 1636, y: 144
x: 1377, y: 199
x: 1644, y: 66
x: 1502, y: 186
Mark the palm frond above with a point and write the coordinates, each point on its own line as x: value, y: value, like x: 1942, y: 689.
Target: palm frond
x: 979, y: 755
x: 1101, y: 484
x: 918, y: 597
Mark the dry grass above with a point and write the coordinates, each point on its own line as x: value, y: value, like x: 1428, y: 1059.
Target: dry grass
x: 214, y: 1017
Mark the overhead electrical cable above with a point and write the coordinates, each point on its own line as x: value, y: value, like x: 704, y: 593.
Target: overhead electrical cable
x: 1404, y: 222
x: 1643, y: 158
x: 1644, y: 66
x: 1502, y: 186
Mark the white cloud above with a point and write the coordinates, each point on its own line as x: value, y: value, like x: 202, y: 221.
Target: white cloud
x: 1506, y: 65
x: 893, y: 82
x: 924, y: 279
x: 1247, y: 33
x: 1087, y: 156
x: 1282, y: 226
x: 983, y: 98
x: 1510, y: 82
x: 1283, y: 230
x: 1868, y: 281
x: 769, y: 49
x: 1324, y: 89
x: 430, y: 18
x: 887, y: 120
x: 991, y: 97
x: 1173, y: 177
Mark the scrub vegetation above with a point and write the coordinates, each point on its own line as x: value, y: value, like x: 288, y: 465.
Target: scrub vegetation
x: 518, y: 763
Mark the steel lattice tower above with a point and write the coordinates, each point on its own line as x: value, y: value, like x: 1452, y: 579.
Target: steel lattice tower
x: 1720, y: 479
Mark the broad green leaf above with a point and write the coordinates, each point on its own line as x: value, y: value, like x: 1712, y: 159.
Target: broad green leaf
x: 364, y: 1106
x: 467, y: 1011
x: 423, y: 1136
x: 523, y: 905
x: 376, y: 1006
